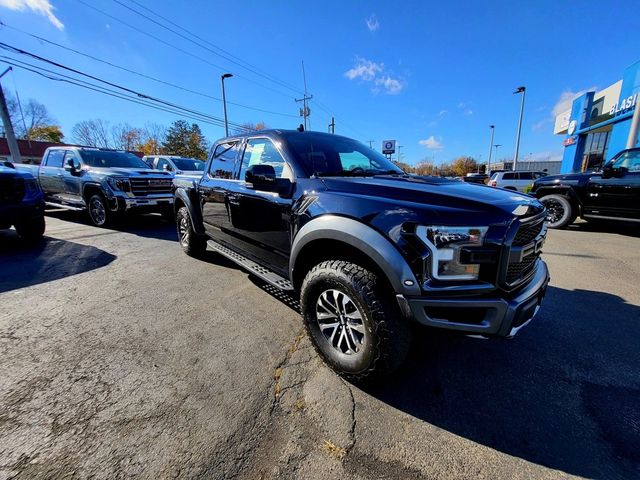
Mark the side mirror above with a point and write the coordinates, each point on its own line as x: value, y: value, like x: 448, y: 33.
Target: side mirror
x: 620, y: 172
x: 166, y: 167
x: 72, y: 165
x: 607, y: 171
x: 262, y: 177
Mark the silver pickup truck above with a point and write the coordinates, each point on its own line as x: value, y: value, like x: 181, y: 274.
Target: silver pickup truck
x: 105, y: 183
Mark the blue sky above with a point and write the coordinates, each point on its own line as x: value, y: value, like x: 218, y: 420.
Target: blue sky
x: 433, y: 75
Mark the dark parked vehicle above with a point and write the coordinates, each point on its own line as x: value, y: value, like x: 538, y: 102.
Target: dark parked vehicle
x: 480, y: 178
x: 613, y: 194
x: 103, y: 182
x: 21, y: 203
x: 368, y: 249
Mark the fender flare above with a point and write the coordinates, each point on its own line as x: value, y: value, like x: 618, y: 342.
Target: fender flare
x: 194, y: 215
x: 365, y: 239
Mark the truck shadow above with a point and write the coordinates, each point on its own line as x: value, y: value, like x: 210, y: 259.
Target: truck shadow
x: 563, y: 394
x: 147, y: 226
x: 628, y: 229
x: 48, y: 260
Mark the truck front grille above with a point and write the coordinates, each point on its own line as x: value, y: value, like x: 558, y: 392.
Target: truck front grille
x: 526, y: 244
x: 141, y: 187
x: 11, y: 190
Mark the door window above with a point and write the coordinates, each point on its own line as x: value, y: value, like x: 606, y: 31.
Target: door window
x: 629, y: 160
x: 509, y: 176
x: 262, y: 151
x: 526, y: 176
x: 161, y: 163
x: 55, y: 158
x: 223, y: 160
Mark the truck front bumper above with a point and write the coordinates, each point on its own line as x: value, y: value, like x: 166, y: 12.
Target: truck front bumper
x: 141, y: 204
x: 498, y: 317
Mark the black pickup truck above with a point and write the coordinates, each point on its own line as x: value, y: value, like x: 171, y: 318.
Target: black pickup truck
x: 368, y: 249
x: 612, y: 194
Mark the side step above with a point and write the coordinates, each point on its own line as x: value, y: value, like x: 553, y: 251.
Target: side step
x: 66, y: 207
x: 258, y: 270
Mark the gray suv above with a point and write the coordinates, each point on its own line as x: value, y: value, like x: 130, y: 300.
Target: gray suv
x: 103, y: 182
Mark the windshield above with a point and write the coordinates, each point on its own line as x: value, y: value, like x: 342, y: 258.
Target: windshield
x: 332, y: 155
x: 108, y: 159
x: 629, y: 160
x: 188, y: 164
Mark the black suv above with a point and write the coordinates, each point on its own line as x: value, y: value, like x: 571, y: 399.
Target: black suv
x: 613, y: 194
x: 368, y: 248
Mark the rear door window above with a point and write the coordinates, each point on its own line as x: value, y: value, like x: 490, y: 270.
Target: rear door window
x: 223, y: 160
x: 55, y: 158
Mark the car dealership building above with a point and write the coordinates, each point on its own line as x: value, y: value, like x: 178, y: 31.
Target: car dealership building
x: 597, y: 125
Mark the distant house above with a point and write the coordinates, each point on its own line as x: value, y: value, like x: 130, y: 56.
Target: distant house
x: 31, y: 151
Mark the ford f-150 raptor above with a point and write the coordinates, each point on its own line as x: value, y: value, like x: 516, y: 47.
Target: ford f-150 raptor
x: 368, y: 248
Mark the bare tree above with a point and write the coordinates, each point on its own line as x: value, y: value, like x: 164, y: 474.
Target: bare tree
x: 92, y: 133
x: 29, y: 117
x: 125, y: 137
x: 250, y: 127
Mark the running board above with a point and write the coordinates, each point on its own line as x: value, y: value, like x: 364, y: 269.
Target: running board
x: 258, y: 270
x: 66, y: 207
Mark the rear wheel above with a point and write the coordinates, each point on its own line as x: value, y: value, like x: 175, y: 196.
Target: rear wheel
x: 192, y: 244
x: 352, y: 322
x: 31, y: 230
x: 560, y: 212
x: 99, y: 212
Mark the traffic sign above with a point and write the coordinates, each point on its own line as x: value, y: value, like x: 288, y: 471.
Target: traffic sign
x: 388, y: 147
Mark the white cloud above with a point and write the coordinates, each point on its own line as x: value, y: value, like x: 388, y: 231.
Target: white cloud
x: 41, y: 7
x: 372, y: 23
x: 468, y: 112
x: 432, y: 143
x: 541, y: 124
x: 442, y: 113
x: 392, y: 86
x: 566, y: 99
x: 370, y: 71
x: 364, y: 69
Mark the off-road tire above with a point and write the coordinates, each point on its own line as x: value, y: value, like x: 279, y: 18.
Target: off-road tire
x: 192, y: 244
x: 388, y: 335
x: 560, y: 211
x: 32, y: 230
x: 103, y: 220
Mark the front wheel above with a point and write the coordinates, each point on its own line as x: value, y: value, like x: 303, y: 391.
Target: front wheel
x: 192, y: 244
x: 352, y: 321
x: 31, y: 230
x: 560, y: 212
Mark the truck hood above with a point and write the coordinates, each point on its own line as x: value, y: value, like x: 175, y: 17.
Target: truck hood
x: 130, y: 172
x: 14, y: 172
x: 436, y: 192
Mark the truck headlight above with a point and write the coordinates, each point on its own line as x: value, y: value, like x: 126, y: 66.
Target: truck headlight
x: 445, y: 244
x: 119, y: 183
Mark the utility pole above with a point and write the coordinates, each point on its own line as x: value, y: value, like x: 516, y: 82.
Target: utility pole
x: 515, y: 156
x: 305, y: 112
x: 371, y: 144
x: 496, y: 147
x: 492, y: 128
x: 632, y: 139
x: 224, y: 104
x: 332, y: 125
x: 399, y: 155
x: 8, y: 127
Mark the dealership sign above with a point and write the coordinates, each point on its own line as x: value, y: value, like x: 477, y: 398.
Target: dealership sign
x: 623, y: 105
x: 569, y: 141
x: 388, y: 147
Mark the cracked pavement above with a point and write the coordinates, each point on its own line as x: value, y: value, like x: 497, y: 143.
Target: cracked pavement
x: 122, y: 357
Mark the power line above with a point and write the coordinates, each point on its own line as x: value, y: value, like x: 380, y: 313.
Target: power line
x: 106, y: 82
x: 149, y: 77
x: 225, y: 54
x: 182, y: 50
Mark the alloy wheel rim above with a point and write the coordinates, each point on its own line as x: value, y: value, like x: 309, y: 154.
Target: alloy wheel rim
x: 340, y: 321
x: 183, y: 231
x: 97, y: 211
x: 555, y: 210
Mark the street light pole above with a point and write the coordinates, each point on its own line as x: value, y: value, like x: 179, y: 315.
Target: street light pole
x: 224, y: 104
x: 496, y: 147
x: 515, y: 156
x: 492, y: 127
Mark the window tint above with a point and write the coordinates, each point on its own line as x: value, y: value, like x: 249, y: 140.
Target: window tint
x: 223, y: 160
x: 261, y: 151
x: 161, y: 163
x: 526, y: 176
x: 55, y: 158
x: 509, y: 176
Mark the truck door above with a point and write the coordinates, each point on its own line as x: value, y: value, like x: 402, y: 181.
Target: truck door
x: 50, y: 175
x: 72, y: 180
x: 214, y: 190
x: 618, y: 195
x: 260, y: 219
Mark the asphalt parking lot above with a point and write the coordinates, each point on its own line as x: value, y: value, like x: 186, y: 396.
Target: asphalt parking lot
x: 122, y: 357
